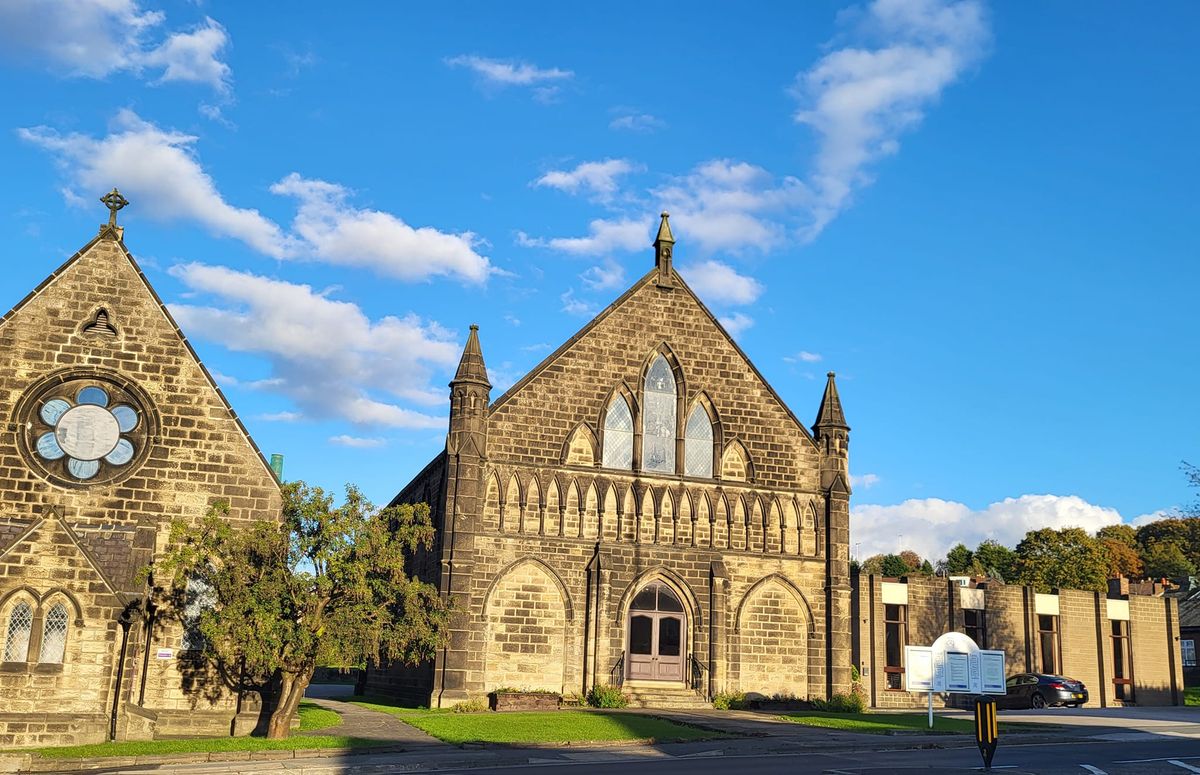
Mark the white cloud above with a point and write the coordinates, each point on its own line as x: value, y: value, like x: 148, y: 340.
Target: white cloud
x: 96, y: 38
x: 736, y: 324
x: 357, y: 442
x: 804, y: 356
x: 573, y: 305
x: 636, y: 122
x: 718, y: 282
x: 866, y: 481
x: 158, y: 170
x: 1154, y: 516
x: 930, y: 526
x: 337, y: 233
x: 326, y: 356
x: 604, y: 236
x: 604, y: 276
x: 502, y: 73
x: 280, y: 417
x: 597, y: 179
x: 859, y: 99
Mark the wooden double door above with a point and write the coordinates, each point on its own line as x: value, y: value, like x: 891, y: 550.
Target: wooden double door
x: 656, y: 636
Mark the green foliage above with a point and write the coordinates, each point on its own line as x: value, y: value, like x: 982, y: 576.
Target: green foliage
x: 1166, y: 560
x: 1122, y: 559
x: 958, y: 560
x: 323, y: 585
x: 1061, y: 559
x: 879, y: 723
x: 564, y: 726
x: 873, y: 565
x: 842, y: 703
x: 926, y: 568
x: 605, y: 696
x: 1122, y: 533
x: 893, y: 565
x: 729, y: 700
x: 995, y: 560
x: 471, y: 706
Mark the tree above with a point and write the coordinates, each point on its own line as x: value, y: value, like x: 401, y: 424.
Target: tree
x: 1166, y: 560
x: 1184, y: 532
x: 322, y: 585
x: 873, y: 565
x: 1122, y: 533
x: 1064, y: 559
x: 1192, y: 474
x: 1122, y: 558
x: 926, y: 569
x: 911, y: 559
x: 958, y: 560
x: 894, y: 565
x: 995, y: 560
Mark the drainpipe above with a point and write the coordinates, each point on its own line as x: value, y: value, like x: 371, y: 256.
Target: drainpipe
x: 126, y: 621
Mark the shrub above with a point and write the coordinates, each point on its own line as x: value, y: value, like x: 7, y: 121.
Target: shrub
x: 729, y: 700
x: 607, y: 697
x: 471, y: 706
x: 842, y: 703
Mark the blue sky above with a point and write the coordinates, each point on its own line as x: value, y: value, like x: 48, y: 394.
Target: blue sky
x: 982, y: 216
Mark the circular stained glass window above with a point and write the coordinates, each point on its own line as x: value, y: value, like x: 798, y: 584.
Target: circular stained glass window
x: 85, y: 431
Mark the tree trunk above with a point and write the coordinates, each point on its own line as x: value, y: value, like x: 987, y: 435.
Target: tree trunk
x: 290, y: 694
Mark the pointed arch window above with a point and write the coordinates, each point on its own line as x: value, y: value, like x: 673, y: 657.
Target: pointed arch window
x: 618, y: 435
x: 658, y: 419
x: 54, y: 636
x: 698, y: 444
x: 20, y: 625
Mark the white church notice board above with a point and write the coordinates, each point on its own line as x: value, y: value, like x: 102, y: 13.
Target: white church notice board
x: 954, y: 663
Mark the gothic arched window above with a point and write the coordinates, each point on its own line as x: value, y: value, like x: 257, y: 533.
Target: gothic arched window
x: 618, y: 435
x: 20, y: 625
x: 54, y: 636
x: 698, y: 444
x: 658, y: 418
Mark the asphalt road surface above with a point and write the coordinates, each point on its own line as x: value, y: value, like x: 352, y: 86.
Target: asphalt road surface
x: 1172, y: 757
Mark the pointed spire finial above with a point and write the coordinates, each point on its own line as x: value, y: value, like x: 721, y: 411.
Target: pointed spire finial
x: 664, y: 229
x: 664, y: 246
x: 471, y: 367
x: 830, y: 415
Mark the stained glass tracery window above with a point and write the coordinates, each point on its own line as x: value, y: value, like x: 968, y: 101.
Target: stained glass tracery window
x: 698, y: 444
x: 618, y: 435
x: 658, y: 418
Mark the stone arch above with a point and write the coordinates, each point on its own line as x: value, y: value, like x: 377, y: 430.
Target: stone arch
x: 512, y: 506
x: 736, y: 464
x: 756, y: 530
x: 702, y: 528
x: 581, y: 447
x: 720, y: 522
x: 685, y: 529
x: 622, y: 390
x: 791, y: 527
x: 627, y: 514
x: 531, y: 521
x: 739, y: 523
x: 702, y: 401
x: 664, y: 351
x: 774, y: 630
x: 647, y: 520
x: 670, y: 578
x: 519, y: 654
x: 491, y: 503
x: 808, y: 534
x: 608, y: 518
x: 552, y: 514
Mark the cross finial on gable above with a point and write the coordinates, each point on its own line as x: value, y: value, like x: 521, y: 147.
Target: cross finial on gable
x: 114, y: 202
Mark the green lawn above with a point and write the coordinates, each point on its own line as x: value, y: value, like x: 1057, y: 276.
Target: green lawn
x: 879, y: 723
x: 311, y: 717
x: 561, y: 726
x: 1191, y: 695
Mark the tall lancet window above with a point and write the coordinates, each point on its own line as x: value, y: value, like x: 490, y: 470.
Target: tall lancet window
x: 658, y: 419
x: 698, y: 444
x: 618, y: 435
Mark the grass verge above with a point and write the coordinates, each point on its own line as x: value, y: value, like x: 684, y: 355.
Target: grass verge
x: 1191, y: 695
x: 561, y: 726
x: 879, y: 723
x: 312, y: 717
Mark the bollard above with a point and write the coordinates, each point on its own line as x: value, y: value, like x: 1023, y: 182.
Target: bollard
x: 986, y: 730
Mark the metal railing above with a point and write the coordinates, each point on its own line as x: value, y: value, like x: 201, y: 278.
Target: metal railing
x: 699, y: 670
x: 616, y: 676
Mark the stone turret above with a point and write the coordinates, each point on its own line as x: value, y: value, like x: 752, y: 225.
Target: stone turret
x: 664, y: 248
x: 470, y: 392
x: 833, y: 439
x: 832, y: 435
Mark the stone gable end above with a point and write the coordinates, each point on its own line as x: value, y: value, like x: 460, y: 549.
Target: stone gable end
x: 532, y: 424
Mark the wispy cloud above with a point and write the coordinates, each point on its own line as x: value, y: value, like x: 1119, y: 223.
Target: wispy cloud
x: 737, y: 323
x: 804, y: 356
x: 596, y: 179
x: 604, y: 236
x: 860, y: 98
x: 280, y: 417
x: 866, y: 481
x: 504, y: 73
x: 357, y: 442
x: 573, y: 305
x: 96, y: 38
x: 636, y: 122
x: 720, y: 283
x: 604, y: 276
x: 326, y: 356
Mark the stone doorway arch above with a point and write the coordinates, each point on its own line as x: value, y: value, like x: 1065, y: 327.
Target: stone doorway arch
x: 656, y: 631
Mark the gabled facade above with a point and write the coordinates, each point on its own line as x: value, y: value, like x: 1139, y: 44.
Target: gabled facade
x: 640, y: 509
x: 111, y: 428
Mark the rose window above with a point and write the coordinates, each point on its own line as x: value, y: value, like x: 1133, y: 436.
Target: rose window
x: 83, y: 431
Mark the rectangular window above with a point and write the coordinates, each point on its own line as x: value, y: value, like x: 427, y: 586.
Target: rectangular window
x: 1188, y: 647
x: 895, y: 628
x: 1049, y: 644
x: 1122, y: 662
x: 975, y: 623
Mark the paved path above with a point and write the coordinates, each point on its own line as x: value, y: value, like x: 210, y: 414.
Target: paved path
x: 366, y: 724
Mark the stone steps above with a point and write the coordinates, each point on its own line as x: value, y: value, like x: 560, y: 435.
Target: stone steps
x: 667, y: 697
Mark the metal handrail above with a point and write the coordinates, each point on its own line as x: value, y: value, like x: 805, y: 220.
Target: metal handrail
x: 699, y: 669
x: 616, y: 676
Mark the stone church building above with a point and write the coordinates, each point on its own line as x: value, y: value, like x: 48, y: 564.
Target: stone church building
x: 641, y: 509
x: 110, y: 427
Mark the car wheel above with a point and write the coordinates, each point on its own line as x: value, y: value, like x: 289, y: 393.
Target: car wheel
x: 1037, y: 701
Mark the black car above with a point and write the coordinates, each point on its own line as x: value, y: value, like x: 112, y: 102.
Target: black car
x: 1039, y: 690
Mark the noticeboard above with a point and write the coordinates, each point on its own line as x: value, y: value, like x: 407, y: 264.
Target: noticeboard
x: 954, y: 663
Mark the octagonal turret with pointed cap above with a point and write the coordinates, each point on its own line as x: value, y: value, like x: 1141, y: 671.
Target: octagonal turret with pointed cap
x: 664, y: 247
x: 471, y: 367
x: 470, y: 393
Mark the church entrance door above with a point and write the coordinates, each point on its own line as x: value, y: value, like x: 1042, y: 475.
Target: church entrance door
x: 656, y: 635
